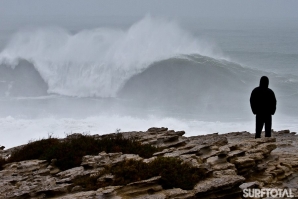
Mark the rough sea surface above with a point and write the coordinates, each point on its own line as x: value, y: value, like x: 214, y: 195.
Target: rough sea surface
x: 185, y: 75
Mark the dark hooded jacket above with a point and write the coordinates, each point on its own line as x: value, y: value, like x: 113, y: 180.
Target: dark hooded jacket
x: 262, y: 99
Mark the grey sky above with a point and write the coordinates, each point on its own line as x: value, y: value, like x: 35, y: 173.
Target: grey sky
x: 267, y: 9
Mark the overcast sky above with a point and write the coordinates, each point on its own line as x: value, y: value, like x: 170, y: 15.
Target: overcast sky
x: 268, y: 9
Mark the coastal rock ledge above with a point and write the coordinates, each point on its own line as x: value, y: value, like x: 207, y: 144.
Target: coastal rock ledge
x: 232, y: 161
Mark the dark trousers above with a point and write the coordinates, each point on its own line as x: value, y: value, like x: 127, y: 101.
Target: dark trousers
x: 260, y: 121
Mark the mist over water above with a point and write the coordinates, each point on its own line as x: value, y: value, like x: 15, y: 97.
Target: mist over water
x: 97, y: 62
x: 152, y: 73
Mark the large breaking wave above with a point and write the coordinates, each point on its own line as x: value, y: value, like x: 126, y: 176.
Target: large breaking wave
x: 98, y: 62
x: 154, y: 63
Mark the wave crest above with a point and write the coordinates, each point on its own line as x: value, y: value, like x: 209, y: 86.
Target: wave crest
x: 97, y: 62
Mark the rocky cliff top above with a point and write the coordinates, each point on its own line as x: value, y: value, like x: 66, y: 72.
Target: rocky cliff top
x: 231, y: 162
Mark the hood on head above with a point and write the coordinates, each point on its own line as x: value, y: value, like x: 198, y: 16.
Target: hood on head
x: 264, y: 82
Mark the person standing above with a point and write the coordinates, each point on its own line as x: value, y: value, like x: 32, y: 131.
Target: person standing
x: 263, y: 105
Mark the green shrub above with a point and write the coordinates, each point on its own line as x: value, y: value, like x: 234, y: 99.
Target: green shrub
x: 130, y: 171
x: 2, y: 162
x: 173, y: 173
x: 70, y: 151
x: 33, y: 150
x: 87, y: 182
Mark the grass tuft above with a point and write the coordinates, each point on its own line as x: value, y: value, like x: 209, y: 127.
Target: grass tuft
x: 69, y: 152
x: 173, y: 173
x: 2, y: 162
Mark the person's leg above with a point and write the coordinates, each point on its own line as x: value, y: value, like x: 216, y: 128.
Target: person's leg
x: 268, y: 124
x: 259, y: 125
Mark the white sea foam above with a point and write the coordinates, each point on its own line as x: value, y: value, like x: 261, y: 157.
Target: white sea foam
x: 97, y: 62
x: 32, y: 129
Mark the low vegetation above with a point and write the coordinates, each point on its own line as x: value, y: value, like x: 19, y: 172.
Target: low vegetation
x: 173, y: 173
x: 69, y: 152
x: 2, y: 162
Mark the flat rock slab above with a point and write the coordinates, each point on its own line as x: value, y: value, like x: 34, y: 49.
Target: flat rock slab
x: 213, y: 184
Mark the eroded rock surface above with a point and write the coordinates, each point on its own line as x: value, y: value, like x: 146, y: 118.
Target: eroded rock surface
x: 233, y: 162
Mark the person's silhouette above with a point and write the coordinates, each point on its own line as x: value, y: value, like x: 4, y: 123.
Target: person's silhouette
x: 263, y: 105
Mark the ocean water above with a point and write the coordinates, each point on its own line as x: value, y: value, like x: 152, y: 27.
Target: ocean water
x: 131, y: 75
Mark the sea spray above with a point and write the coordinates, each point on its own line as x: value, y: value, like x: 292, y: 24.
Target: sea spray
x: 97, y: 62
